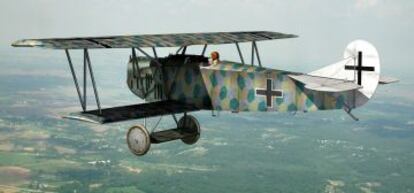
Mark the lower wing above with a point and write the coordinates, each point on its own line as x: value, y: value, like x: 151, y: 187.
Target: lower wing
x: 138, y: 111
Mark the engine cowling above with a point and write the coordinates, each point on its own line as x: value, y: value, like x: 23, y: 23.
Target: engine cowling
x: 143, y: 79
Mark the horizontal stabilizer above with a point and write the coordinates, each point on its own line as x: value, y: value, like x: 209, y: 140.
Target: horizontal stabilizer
x: 360, y: 64
x: 387, y: 80
x: 125, y: 113
x: 324, y: 84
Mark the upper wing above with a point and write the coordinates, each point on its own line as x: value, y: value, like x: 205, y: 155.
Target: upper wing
x: 323, y: 84
x: 159, y: 40
x: 125, y: 113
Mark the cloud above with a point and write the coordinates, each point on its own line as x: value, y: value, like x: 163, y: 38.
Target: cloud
x: 273, y: 134
x: 59, y: 73
x: 363, y: 4
x: 334, y: 186
x: 198, y: 151
x: 386, y: 9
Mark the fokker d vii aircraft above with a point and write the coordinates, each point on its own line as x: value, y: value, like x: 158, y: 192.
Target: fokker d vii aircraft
x: 183, y: 83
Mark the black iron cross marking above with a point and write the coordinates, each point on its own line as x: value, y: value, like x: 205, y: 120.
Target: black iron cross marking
x: 360, y: 68
x: 269, y: 93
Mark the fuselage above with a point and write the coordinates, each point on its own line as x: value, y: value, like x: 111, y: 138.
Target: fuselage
x: 228, y: 86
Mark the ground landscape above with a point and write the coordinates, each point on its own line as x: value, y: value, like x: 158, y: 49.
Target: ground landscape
x: 302, y: 152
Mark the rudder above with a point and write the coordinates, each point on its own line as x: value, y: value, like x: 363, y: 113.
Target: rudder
x: 361, y: 64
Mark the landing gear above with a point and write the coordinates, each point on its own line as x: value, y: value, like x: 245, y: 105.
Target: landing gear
x: 139, y: 139
x: 189, y: 124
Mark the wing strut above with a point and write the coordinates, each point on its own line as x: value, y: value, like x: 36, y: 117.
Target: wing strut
x: 254, y: 54
x: 204, y: 50
x: 75, y: 80
x: 179, y: 49
x: 240, y: 53
x: 155, y: 52
x: 255, y: 51
x: 86, y: 65
x: 88, y: 61
x: 254, y: 47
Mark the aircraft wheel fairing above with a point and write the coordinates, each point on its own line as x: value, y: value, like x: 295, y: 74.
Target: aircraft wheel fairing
x: 138, y: 140
x: 189, y: 124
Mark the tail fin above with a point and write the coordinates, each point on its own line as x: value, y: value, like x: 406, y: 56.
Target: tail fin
x: 361, y: 64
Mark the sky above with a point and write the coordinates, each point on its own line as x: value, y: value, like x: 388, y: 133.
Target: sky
x: 324, y: 27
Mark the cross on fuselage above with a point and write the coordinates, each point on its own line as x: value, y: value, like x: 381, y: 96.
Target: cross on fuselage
x: 360, y: 68
x: 269, y: 93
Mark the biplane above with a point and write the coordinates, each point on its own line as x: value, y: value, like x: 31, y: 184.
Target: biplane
x: 182, y: 83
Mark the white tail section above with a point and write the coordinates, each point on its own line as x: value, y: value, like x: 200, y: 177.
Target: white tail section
x: 361, y: 65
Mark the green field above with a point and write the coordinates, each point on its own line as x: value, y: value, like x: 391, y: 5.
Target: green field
x: 257, y: 152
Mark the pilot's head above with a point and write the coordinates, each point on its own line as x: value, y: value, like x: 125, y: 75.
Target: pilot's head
x: 215, y: 55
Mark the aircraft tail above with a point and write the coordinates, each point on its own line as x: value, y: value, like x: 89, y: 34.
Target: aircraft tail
x: 361, y: 65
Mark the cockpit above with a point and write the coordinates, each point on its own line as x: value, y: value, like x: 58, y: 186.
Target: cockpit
x: 178, y: 60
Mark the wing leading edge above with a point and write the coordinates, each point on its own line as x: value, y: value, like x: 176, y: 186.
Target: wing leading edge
x: 138, y: 111
x: 157, y: 40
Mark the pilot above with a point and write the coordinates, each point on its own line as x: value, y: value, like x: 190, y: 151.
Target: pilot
x: 215, y: 58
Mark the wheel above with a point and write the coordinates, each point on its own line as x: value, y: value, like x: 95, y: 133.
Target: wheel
x: 190, y: 125
x: 138, y: 140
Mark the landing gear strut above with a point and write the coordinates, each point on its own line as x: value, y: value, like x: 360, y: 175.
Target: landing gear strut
x: 139, y: 139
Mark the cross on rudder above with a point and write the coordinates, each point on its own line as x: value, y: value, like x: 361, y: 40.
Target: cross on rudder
x: 359, y: 68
